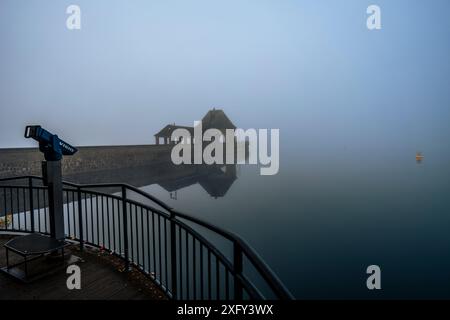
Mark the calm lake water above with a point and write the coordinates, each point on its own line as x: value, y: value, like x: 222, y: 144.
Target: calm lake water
x: 320, y: 223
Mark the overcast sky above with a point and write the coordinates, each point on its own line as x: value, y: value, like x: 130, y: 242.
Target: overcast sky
x: 310, y: 68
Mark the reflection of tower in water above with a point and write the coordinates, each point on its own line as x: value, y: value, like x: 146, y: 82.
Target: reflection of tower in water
x: 217, y: 183
x: 216, y: 180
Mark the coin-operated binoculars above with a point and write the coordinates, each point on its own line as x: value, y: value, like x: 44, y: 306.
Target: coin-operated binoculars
x: 53, y: 149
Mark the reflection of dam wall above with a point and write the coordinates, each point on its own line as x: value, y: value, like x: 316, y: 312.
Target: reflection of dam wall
x: 137, y: 176
x: 27, y: 161
x: 215, y: 179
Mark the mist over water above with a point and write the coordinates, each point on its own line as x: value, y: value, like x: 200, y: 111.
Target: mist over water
x: 353, y: 107
x: 320, y: 224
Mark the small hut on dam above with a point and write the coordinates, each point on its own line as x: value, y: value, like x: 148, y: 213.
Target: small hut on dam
x: 214, y: 119
x: 165, y: 134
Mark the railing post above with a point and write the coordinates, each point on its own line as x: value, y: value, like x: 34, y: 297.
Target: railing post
x: 80, y: 219
x: 173, y: 255
x: 238, y: 267
x: 30, y: 191
x: 125, y: 227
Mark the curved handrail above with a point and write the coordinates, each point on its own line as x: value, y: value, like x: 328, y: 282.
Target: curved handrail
x: 263, y: 269
x: 266, y: 272
x: 271, y: 278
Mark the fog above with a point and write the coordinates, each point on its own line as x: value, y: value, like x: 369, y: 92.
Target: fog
x: 309, y: 68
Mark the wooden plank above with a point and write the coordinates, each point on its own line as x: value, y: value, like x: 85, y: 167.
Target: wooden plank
x: 99, y: 280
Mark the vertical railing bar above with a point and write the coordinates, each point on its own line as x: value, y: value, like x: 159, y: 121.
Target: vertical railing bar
x: 24, y: 208
x: 125, y: 227
x: 30, y: 186
x: 86, y: 227
x: 39, y: 210
x: 114, y: 225
x: 11, y: 210
x: 186, y: 238
x: 217, y: 279
x: 11, y: 207
x: 18, y: 209
x: 180, y: 251
x: 165, y: 255
x: 159, y: 245
x: 69, y: 216
x: 108, y: 223
x: 42, y: 218
x: 6, y: 209
x: 70, y: 196
x: 173, y: 255
x: 92, y: 219
x: 74, y: 213
x: 97, y: 215
x: 103, y: 223
x: 142, y: 237
x: 80, y: 219
x: 73, y: 216
x: 148, y: 242
x: 6, y: 204
x: 119, y: 240
x: 194, y: 268
x: 237, y: 266
x: 17, y: 215
x: 131, y: 233
x: 18, y: 206
x: 69, y: 206
x: 138, y: 243
x: 209, y: 275
x: 201, y: 272
x: 45, y: 210
x: 65, y: 209
x: 136, y: 235
x: 114, y: 210
x: 111, y: 235
x: 154, y: 244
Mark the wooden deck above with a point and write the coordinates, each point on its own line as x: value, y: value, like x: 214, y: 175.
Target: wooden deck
x: 101, y: 279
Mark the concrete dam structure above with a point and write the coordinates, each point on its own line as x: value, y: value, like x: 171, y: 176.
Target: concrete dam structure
x: 27, y: 161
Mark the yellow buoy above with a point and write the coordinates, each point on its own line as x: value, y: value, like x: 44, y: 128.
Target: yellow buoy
x: 419, y: 156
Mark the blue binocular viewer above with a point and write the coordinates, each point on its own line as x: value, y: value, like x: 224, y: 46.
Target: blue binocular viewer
x: 49, y: 144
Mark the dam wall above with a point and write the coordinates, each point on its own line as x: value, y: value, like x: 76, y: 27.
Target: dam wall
x: 27, y: 161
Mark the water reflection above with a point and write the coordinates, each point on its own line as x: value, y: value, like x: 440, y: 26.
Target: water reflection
x: 216, y: 180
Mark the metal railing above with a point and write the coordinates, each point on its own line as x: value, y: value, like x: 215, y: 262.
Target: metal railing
x: 186, y: 257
